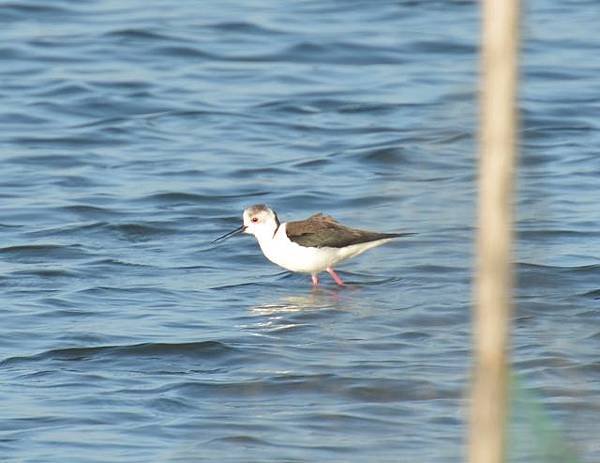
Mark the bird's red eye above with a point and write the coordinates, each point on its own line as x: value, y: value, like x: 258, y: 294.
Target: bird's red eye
x: 254, y: 219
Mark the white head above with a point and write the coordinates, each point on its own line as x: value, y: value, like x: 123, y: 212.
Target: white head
x: 260, y: 221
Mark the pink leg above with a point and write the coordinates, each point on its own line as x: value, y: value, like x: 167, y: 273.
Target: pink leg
x: 315, y: 280
x: 335, y: 276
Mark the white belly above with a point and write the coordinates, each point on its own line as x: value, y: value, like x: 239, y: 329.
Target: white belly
x: 291, y: 256
x: 296, y: 258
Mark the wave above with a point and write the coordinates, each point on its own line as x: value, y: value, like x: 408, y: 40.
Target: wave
x: 204, y: 349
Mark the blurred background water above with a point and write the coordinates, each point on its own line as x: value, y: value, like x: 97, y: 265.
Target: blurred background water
x: 135, y: 132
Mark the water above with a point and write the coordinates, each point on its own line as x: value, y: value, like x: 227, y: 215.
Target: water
x: 134, y: 133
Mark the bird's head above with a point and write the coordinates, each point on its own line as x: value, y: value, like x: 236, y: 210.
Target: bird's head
x: 259, y: 220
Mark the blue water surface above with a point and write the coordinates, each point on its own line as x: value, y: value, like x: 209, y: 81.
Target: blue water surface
x: 134, y: 133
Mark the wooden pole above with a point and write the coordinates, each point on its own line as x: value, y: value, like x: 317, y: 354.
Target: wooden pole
x: 493, y: 281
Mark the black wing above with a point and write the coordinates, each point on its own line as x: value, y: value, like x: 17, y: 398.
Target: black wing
x: 320, y: 231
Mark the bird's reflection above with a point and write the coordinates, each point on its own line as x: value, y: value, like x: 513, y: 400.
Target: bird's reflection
x: 293, y: 312
x: 316, y: 300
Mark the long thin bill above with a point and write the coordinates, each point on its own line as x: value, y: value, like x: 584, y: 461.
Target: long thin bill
x: 229, y: 235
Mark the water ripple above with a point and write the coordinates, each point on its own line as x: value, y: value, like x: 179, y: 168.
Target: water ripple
x: 195, y: 350
x: 136, y: 132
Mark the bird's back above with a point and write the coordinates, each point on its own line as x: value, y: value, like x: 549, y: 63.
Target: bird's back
x: 324, y: 231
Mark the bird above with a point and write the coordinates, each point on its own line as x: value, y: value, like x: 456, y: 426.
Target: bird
x: 311, y: 246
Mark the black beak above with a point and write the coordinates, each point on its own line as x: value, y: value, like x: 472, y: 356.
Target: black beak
x: 230, y: 234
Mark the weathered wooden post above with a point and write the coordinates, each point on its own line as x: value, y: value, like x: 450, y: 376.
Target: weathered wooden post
x: 493, y: 281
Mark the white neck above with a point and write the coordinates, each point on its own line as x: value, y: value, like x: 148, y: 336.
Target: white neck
x: 265, y: 234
